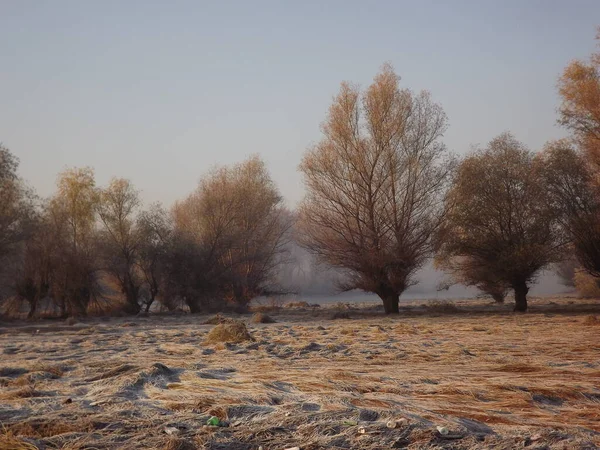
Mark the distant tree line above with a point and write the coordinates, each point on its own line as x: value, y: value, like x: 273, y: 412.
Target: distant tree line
x: 383, y: 197
x: 93, y: 247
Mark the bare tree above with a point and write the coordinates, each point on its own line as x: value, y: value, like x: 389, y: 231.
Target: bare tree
x: 375, y: 186
x: 72, y: 216
x: 155, y: 237
x: 575, y: 192
x: 237, y: 226
x: 501, y: 221
x: 117, y: 208
x: 579, y: 87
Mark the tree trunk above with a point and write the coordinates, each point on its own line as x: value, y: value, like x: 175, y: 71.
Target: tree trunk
x: 390, y: 303
x: 33, y: 302
x: 521, y: 291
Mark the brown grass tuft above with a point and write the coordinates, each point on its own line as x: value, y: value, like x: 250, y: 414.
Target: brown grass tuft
x: 219, y: 319
x: 175, y: 443
x: 55, y: 370
x: 43, y: 428
x: 25, y: 392
x: 234, y: 331
x: 591, y: 321
x: 8, y: 441
x: 262, y: 318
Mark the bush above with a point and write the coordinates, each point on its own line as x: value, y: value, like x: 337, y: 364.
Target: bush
x: 233, y: 331
x: 587, y: 286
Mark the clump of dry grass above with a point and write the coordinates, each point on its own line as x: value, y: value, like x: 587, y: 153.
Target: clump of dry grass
x: 54, y: 370
x: 233, y: 331
x: 592, y: 321
x: 8, y: 441
x: 175, y: 443
x: 260, y: 317
x: 43, y: 428
x: 25, y: 392
x: 219, y: 319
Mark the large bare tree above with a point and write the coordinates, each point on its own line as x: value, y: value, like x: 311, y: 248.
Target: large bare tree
x: 375, y: 185
x: 155, y: 230
x: 501, y: 221
x: 237, y: 225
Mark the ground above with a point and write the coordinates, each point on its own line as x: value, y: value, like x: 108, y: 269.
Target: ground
x: 492, y: 378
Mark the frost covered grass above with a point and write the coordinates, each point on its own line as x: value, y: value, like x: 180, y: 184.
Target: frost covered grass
x: 491, y: 378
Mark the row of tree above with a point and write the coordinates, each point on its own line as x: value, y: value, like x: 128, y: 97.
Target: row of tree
x: 87, y: 246
x: 383, y: 196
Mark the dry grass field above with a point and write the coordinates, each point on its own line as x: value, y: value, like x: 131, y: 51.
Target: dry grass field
x: 492, y: 378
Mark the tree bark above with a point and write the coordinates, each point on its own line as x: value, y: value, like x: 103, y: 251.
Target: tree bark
x: 390, y: 303
x: 521, y: 291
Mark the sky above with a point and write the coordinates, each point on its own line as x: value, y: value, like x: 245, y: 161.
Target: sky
x: 160, y: 92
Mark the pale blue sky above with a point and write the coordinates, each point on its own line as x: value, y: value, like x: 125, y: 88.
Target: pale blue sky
x: 158, y: 92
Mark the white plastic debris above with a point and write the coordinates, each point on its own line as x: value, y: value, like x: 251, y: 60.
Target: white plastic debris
x: 392, y: 424
x: 171, y: 430
x: 362, y: 430
x: 442, y: 430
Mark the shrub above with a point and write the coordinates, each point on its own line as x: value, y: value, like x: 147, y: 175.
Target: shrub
x: 587, y: 286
